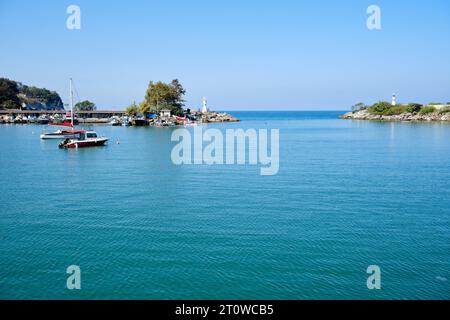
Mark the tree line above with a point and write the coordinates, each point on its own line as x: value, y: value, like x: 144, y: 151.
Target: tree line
x: 160, y: 96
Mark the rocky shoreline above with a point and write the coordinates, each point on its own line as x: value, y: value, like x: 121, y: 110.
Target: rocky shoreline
x: 412, y: 117
x: 212, y: 117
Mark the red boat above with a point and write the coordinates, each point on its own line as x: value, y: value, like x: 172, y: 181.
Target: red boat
x: 85, y: 139
x: 183, y: 119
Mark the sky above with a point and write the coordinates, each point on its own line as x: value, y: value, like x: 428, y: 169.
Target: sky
x: 241, y: 55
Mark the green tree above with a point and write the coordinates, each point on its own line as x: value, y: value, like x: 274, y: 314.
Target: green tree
x: 85, y: 106
x: 8, y: 94
x: 132, y: 109
x: 161, y: 95
x: 144, y: 107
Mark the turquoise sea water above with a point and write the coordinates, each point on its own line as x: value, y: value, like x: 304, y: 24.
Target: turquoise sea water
x: 348, y: 194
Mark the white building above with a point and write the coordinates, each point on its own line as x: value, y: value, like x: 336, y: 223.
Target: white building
x: 394, y: 99
x: 164, y: 113
x: 204, y: 107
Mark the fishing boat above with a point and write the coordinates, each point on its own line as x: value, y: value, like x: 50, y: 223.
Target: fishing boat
x: 43, y: 119
x: 125, y: 121
x: 84, y: 139
x: 115, y: 121
x: 140, y: 120
x: 32, y: 119
x: 19, y: 119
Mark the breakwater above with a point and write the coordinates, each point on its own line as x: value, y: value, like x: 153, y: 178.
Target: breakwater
x: 436, y: 115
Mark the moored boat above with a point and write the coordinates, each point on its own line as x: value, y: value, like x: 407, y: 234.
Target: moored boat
x: 140, y: 120
x: 125, y: 121
x: 115, y: 121
x: 32, y: 119
x: 43, y: 119
x: 74, y: 138
x: 59, y: 134
x: 19, y: 119
x: 84, y: 139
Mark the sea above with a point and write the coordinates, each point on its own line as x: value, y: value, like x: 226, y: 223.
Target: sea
x: 348, y: 195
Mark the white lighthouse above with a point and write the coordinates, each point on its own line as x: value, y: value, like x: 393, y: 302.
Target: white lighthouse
x: 204, y: 108
x: 394, y: 99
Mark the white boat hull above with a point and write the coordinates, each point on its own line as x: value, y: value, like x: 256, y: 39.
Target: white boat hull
x: 47, y: 136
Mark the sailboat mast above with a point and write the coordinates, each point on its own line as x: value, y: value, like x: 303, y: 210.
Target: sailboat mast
x: 71, y: 101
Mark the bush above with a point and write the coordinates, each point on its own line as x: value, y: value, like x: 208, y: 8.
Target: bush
x: 380, y: 108
x: 427, y: 109
x: 444, y: 110
x: 413, y: 107
x: 385, y: 108
x: 394, y: 110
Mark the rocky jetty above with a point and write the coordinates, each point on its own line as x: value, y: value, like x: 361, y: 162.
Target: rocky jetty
x: 437, y: 115
x: 215, y: 117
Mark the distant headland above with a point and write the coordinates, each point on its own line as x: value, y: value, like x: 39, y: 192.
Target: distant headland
x: 392, y: 111
x: 15, y: 95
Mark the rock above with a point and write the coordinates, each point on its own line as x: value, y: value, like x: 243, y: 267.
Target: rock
x: 216, y: 117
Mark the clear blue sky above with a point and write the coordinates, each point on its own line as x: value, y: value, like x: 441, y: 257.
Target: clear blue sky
x: 242, y: 55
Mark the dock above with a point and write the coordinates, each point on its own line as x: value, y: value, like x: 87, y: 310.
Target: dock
x: 96, y: 116
x: 80, y: 114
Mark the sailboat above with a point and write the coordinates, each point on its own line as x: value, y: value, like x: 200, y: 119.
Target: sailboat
x: 81, y: 138
x: 68, y: 122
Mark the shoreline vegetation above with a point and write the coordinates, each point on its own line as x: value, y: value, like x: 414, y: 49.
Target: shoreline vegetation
x: 414, y: 112
x: 163, y: 105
